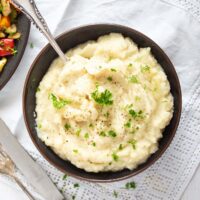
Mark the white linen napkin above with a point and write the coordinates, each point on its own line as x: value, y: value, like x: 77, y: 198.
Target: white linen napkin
x: 177, y: 32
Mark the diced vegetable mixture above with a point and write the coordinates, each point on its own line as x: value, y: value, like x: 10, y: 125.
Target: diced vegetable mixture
x: 8, y: 31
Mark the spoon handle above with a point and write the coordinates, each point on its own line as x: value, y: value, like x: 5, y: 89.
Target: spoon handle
x: 29, y: 8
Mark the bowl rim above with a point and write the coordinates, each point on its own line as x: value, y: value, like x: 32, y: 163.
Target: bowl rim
x: 150, y: 162
x: 21, y: 55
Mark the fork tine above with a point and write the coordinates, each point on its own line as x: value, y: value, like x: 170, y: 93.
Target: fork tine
x: 2, y: 156
x: 2, y: 152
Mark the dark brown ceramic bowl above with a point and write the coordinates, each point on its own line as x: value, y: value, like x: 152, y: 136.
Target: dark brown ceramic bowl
x: 23, y: 26
x: 68, y: 40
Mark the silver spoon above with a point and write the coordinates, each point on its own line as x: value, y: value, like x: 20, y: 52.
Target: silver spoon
x: 28, y: 7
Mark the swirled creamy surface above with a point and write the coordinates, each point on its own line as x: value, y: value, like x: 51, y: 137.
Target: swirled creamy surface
x: 105, y: 110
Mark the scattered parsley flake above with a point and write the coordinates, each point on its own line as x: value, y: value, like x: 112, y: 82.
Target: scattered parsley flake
x: 103, y: 98
x: 109, y: 78
x: 107, y: 114
x: 102, y: 133
x: 64, y: 177
x: 78, y: 132
x: 100, y: 67
x: 39, y: 125
x: 38, y: 89
x: 31, y: 45
x: 133, y: 131
x: 59, y: 103
x: 133, y: 143
x: 112, y: 133
x: 94, y: 144
x: 115, y: 157
x: 130, y: 65
x: 133, y: 79
x: 61, y: 191
x: 113, y: 69
x: 86, y: 136
x: 145, y: 68
x: 115, y: 194
x: 136, y: 115
x: 73, y: 197
x: 110, y: 58
x: 133, y: 113
x: 120, y: 147
x: 76, y: 185
x: 130, y: 185
x: 75, y: 151
x: 137, y: 98
x: 128, y: 106
x: 90, y: 125
x: 155, y: 89
x: 67, y: 126
x: 128, y: 124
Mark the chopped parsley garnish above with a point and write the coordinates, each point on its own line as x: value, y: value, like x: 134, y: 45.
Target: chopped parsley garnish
x: 113, y: 69
x: 102, y: 98
x: 145, y: 68
x: 73, y: 197
x: 115, y: 157
x: 115, y: 194
x: 67, y: 126
x: 133, y: 143
x: 75, y: 151
x: 110, y: 58
x: 78, y: 132
x: 128, y: 106
x: 107, y: 114
x: 112, y: 133
x: 90, y: 125
x: 135, y: 114
x: 133, y: 131
x: 86, y: 136
x: 137, y: 98
x: 38, y: 89
x: 39, y: 125
x: 128, y: 124
x: 130, y: 65
x: 31, y: 45
x: 102, y: 133
x: 133, y: 79
x: 64, y: 177
x: 61, y: 190
x: 130, y: 185
x: 109, y: 78
x: 59, y: 103
x: 120, y: 147
x: 76, y: 185
x: 94, y: 144
x: 100, y: 67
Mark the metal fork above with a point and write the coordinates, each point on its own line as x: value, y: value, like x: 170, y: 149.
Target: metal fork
x: 7, y: 167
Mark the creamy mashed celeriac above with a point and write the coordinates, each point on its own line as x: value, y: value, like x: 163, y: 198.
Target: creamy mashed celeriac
x: 106, y: 109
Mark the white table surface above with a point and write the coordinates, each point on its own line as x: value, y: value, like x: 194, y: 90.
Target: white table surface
x: 10, y: 192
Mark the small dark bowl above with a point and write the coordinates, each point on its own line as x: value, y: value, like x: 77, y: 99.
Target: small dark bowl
x: 23, y: 26
x: 68, y: 40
